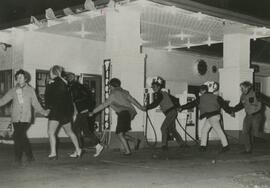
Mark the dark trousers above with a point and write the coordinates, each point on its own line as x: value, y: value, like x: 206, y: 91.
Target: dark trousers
x: 84, y: 126
x: 21, y: 141
x: 168, y: 126
x: 251, y: 127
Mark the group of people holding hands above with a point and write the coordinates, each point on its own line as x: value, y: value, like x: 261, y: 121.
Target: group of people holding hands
x: 64, y: 94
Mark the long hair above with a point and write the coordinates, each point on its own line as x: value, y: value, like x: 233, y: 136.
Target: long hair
x: 57, y: 70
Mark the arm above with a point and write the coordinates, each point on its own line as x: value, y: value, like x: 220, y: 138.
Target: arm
x: 224, y: 104
x: 191, y: 104
x: 237, y: 107
x: 157, y: 99
x: 100, y: 107
x: 6, y: 98
x: 135, y: 102
x: 263, y: 99
x: 36, y: 104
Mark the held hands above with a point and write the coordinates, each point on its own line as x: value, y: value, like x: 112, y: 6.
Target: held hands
x: 144, y: 108
x: 91, y: 114
x: 46, y: 112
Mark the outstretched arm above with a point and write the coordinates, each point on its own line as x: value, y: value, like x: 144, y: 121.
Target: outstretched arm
x: 157, y: 99
x: 101, y: 106
x: 135, y: 102
x: 6, y: 98
x: 225, y: 105
x: 237, y: 107
x: 189, y: 105
x: 263, y: 99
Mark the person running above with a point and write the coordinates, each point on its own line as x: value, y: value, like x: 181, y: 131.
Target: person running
x: 58, y: 100
x: 163, y: 99
x: 210, y: 105
x: 83, y: 102
x: 122, y: 103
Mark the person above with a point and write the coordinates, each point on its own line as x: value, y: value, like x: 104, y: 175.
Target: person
x: 84, y: 103
x: 163, y: 99
x: 23, y: 97
x: 210, y: 105
x: 122, y: 103
x: 253, y: 103
x: 58, y: 100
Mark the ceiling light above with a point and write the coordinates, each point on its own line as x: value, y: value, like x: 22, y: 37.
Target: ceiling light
x: 209, y: 41
x: 172, y: 9
x: 169, y: 46
x: 254, y: 36
x: 199, y: 16
x: 83, y: 33
x: 188, y: 43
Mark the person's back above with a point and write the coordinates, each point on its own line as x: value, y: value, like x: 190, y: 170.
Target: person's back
x: 81, y: 97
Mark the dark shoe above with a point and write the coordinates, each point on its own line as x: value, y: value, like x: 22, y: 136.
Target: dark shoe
x: 164, y: 148
x: 246, y: 152
x: 30, y: 159
x: 224, y: 149
x: 137, y: 144
x: 17, y: 163
x: 202, y: 149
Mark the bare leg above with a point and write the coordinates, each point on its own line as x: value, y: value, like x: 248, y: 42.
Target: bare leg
x: 124, y: 142
x: 52, y: 127
x: 72, y: 136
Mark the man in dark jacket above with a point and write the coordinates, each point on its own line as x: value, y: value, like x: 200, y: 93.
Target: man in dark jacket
x: 167, y: 106
x: 84, y: 103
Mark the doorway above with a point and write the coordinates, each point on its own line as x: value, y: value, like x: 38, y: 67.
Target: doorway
x: 94, y: 84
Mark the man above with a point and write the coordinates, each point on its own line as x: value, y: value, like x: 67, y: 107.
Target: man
x: 252, y: 102
x: 209, y: 105
x: 83, y: 102
x: 122, y: 103
x: 167, y: 106
x: 23, y: 97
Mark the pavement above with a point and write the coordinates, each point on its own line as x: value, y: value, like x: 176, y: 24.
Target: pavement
x: 185, y: 167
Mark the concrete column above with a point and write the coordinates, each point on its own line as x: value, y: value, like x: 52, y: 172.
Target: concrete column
x: 123, y: 48
x: 236, y: 63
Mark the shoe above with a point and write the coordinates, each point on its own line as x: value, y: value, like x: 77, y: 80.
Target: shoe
x: 52, y: 157
x: 99, y: 149
x: 30, y: 159
x: 77, y: 154
x: 137, y: 144
x: 164, y: 148
x: 224, y: 149
x: 202, y: 149
x: 126, y: 154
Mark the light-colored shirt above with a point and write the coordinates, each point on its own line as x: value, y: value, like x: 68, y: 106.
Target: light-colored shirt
x: 119, y: 100
x: 23, y: 98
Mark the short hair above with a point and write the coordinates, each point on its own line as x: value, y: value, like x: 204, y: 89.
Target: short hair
x: 70, y: 77
x: 24, y: 73
x: 204, y: 88
x: 115, y: 82
x: 57, y: 70
x: 246, y: 84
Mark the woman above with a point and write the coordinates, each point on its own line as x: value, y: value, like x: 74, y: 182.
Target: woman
x: 58, y: 100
